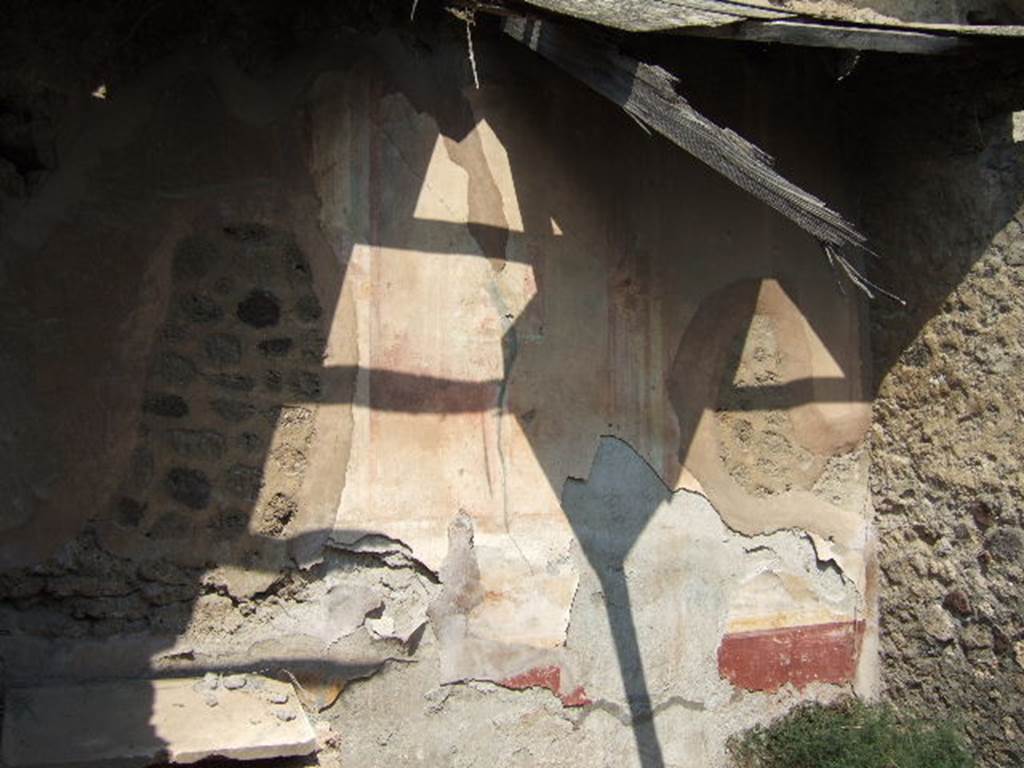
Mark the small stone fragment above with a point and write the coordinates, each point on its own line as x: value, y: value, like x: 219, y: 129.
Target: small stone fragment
x: 938, y: 624
x: 326, y: 736
x: 234, y: 682
x: 285, y: 715
x: 209, y: 682
x: 958, y: 602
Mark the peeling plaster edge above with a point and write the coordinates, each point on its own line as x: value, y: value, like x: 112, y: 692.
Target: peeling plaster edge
x: 867, y: 682
x: 393, y: 553
x: 675, y: 491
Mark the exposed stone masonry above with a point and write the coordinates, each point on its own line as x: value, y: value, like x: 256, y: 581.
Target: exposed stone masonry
x: 948, y: 440
x: 241, y: 345
x: 221, y: 450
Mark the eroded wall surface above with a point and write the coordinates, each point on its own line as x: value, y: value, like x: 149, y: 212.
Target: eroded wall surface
x: 481, y: 398
x: 946, y: 442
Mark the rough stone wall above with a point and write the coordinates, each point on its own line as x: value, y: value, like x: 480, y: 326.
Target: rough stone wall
x: 946, y: 207
x: 419, y: 395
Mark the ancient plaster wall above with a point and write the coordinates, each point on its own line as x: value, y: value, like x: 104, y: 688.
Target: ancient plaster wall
x: 483, y: 391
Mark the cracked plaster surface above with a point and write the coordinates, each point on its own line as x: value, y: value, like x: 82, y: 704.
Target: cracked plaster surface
x: 559, y: 329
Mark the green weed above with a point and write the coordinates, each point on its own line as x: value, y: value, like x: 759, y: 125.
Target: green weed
x: 850, y: 734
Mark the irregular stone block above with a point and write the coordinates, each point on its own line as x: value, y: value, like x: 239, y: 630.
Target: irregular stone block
x: 171, y: 406
x: 137, y: 722
x: 190, y: 487
x: 260, y: 309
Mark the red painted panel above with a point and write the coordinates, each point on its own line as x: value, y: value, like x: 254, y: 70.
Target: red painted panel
x: 551, y: 678
x: 765, y: 660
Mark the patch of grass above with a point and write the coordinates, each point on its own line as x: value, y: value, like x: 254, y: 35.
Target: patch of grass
x: 850, y: 734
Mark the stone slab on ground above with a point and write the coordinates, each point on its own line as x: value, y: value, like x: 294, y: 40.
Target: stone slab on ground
x: 137, y: 722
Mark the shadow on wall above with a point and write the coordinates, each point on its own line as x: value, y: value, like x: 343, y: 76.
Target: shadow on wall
x: 236, y: 374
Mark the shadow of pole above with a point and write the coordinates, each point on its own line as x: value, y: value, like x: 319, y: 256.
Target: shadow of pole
x: 631, y: 666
